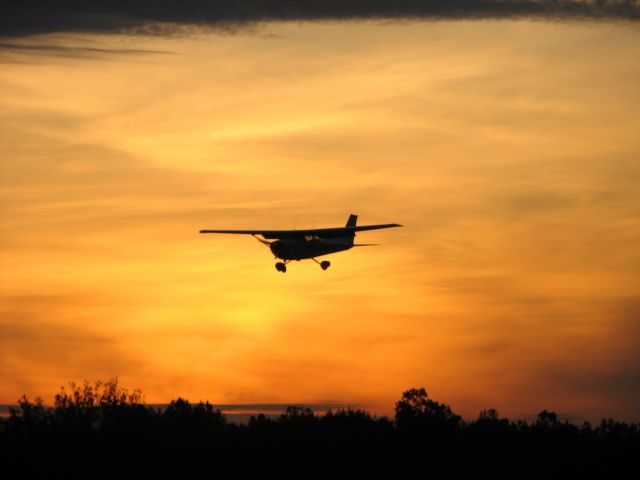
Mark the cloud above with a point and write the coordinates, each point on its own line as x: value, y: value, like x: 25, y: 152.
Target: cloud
x: 41, y: 347
x: 605, y: 382
x: 152, y: 17
x: 28, y: 53
x: 66, y: 51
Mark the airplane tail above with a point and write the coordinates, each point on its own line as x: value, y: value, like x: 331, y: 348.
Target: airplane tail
x: 353, y: 219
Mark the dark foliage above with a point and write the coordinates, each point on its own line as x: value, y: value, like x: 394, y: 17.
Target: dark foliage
x: 105, y: 429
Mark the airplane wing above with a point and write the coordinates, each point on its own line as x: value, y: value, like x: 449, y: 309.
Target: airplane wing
x: 320, y: 232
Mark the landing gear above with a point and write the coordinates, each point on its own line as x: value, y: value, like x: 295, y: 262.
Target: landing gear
x: 282, y: 266
x: 324, y: 265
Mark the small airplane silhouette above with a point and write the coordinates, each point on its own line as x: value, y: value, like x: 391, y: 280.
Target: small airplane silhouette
x: 290, y: 245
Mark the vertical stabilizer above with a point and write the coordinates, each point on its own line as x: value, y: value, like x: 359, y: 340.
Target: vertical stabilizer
x: 351, y: 223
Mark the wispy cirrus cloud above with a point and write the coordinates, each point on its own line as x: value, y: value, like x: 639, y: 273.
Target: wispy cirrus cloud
x: 25, y: 51
x: 75, y: 51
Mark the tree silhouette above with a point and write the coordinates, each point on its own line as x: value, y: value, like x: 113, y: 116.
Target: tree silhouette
x: 417, y: 411
x: 103, y: 424
x: 489, y: 423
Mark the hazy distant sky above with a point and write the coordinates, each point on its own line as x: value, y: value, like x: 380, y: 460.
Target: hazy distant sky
x: 507, y: 147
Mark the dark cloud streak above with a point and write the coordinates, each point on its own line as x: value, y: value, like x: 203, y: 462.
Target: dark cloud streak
x: 30, y: 17
x: 16, y: 52
x: 64, y: 50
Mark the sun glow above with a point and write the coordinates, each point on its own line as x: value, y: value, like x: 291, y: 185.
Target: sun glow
x: 508, y: 150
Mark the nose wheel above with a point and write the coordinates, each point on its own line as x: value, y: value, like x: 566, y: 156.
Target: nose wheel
x: 281, y: 267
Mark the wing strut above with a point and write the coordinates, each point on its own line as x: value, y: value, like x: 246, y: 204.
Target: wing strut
x: 268, y: 244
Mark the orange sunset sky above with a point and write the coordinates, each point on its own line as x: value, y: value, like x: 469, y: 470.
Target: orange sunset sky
x: 508, y: 149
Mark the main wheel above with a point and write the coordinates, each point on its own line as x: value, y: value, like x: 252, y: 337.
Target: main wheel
x: 324, y: 265
x: 281, y: 267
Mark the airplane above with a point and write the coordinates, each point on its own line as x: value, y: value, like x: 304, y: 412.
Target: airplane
x: 289, y: 245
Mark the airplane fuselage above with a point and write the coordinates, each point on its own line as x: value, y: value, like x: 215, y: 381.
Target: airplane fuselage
x: 291, y: 249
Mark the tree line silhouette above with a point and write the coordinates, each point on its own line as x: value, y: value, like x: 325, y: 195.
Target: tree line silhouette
x: 106, y: 429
